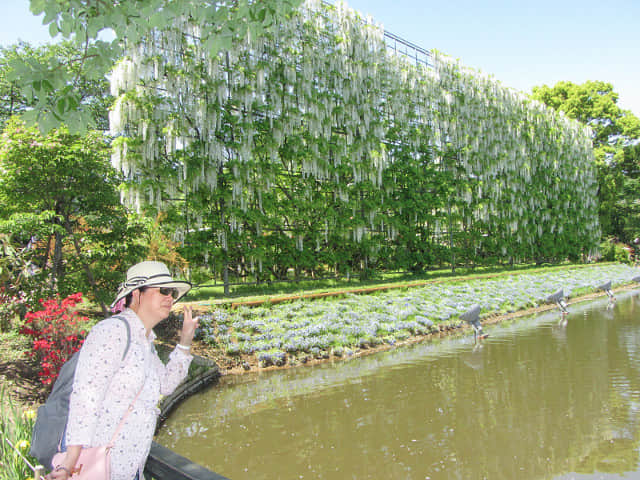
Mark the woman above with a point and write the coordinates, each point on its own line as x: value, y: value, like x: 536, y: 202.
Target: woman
x: 105, y: 384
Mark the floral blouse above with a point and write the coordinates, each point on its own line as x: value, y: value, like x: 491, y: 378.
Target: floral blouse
x: 105, y: 385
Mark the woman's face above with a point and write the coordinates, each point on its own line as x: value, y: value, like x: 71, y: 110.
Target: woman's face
x: 153, y: 305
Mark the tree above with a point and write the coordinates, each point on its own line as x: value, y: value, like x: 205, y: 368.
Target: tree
x: 628, y: 197
x: 616, y: 133
x: 52, y: 86
x: 94, y: 94
x: 59, y: 200
x: 11, y: 101
x: 593, y: 103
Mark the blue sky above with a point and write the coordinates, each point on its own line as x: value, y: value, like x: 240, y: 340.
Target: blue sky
x: 522, y: 44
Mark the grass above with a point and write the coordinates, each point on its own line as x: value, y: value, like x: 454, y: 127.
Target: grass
x: 15, y: 429
x: 13, y: 346
x: 18, y: 379
x: 214, y: 294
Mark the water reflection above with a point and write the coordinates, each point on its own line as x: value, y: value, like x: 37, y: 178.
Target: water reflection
x: 537, y: 399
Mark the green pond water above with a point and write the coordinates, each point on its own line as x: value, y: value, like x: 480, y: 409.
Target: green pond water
x: 538, y: 399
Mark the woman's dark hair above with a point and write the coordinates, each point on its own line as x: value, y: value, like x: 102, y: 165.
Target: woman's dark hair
x: 129, y: 297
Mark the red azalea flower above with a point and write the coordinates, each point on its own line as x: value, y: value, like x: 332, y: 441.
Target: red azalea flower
x: 55, y: 338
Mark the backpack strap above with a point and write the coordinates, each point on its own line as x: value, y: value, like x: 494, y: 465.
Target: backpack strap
x: 130, y: 408
x: 126, y: 324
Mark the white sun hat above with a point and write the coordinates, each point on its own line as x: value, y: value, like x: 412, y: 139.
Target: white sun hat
x: 150, y: 274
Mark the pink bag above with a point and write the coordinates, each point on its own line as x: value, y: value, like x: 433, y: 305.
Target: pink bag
x: 94, y: 463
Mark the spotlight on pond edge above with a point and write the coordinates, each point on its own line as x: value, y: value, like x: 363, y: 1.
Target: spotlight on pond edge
x: 472, y: 317
x: 558, y: 298
x: 606, y: 287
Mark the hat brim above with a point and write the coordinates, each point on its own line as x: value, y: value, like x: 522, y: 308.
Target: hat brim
x: 183, y: 288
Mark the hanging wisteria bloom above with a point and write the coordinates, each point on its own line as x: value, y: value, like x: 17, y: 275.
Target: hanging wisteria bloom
x: 321, y: 110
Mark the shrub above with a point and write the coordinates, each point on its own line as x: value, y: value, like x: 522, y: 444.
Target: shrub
x: 14, y: 272
x: 58, y: 331
x: 615, y: 252
x: 11, y: 305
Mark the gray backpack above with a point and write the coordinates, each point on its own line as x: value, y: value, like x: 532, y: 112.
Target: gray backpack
x: 51, y: 421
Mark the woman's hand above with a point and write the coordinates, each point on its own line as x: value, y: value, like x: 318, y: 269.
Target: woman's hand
x: 58, y: 474
x: 189, y: 325
x: 64, y: 470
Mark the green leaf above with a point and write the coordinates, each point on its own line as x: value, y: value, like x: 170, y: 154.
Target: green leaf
x: 29, y: 117
x: 53, y: 29
x: 37, y: 6
x: 50, y: 14
x: 66, y: 26
x: 47, y: 86
x: 72, y: 102
x: 78, y: 121
x: 47, y: 122
x: 157, y: 20
x: 258, y: 14
x: 61, y: 105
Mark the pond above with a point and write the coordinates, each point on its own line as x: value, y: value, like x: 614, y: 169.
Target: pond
x: 541, y: 398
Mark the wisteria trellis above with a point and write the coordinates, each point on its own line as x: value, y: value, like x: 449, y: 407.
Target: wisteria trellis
x: 316, y: 133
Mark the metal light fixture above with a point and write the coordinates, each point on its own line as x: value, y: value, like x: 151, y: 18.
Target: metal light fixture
x: 558, y: 298
x: 606, y: 287
x: 472, y: 317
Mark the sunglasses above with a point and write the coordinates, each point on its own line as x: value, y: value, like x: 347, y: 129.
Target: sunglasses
x: 169, y: 291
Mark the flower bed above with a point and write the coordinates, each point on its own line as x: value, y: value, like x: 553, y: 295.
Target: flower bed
x: 318, y: 329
